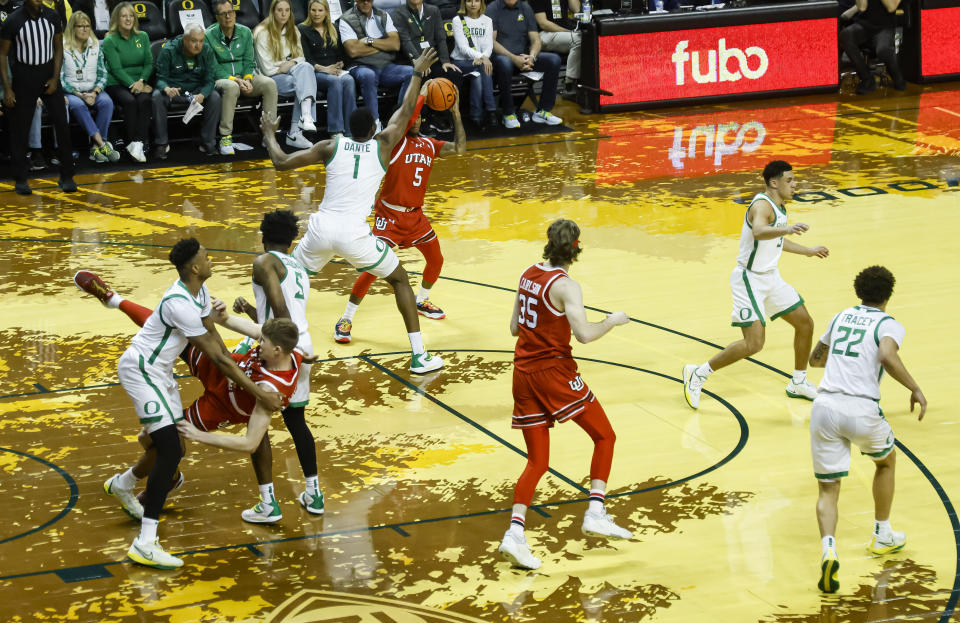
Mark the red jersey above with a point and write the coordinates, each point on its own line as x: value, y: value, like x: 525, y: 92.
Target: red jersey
x: 405, y: 183
x: 544, y: 338
x: 222, y: 401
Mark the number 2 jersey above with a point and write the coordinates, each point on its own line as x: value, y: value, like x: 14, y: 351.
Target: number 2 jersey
x: 544, y: 332
x: 853, y: 367
x: 222, y: 401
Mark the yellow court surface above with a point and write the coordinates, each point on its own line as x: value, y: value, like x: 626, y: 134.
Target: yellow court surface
x: 418, y: 471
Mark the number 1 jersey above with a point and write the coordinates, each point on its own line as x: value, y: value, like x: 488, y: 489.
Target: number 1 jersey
x: 544, y: 332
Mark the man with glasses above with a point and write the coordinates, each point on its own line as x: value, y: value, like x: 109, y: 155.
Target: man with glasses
x: 232, y: 46
x: 372, y: 42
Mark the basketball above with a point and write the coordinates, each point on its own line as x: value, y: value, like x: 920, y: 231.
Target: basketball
x: 441, y: 94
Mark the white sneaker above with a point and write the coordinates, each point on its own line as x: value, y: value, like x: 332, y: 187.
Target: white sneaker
x: 226, y: 146
x: 421, y: 363
x: 313, y: 502
x: 601, y: 524
x: 516, y: 550
x: 128, y: 500
x: 884, y: 545
x: 805, y: 390
x: 152, y: 555
x: 510, y: 122
x: 299, y: 141
x: 135, y: 149
x: 545, y: 116
x: 692, y: 384
x: 263, y: 513
x: 307, y: 125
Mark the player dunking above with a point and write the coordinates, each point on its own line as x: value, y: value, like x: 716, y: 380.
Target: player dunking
x: 758, y: 289
x: 281, y: 287
x: 547, y: 387
x: 354, y: 169
x: 399, y: 219
x: 146, y: 373
x: 858, y: 347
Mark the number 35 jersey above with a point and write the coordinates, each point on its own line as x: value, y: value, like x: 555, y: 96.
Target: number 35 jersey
x: 544, y: 331
x: 853, y: 367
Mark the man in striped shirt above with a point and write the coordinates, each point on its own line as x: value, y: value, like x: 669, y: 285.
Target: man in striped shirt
x: 34, y: 34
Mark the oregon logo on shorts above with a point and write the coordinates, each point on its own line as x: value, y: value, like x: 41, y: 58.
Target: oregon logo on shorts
x: 745, y: 313
x: 576, y: 384
x: 151, y: 407
x: 329, y: 606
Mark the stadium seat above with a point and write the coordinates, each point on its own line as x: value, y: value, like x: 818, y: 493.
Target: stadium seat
x: 150, y: 19
x: 176, y: 9
x: 247, y: 13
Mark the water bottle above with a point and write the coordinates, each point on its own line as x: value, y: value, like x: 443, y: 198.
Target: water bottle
x: 586, y: 15
x: 658, y: 6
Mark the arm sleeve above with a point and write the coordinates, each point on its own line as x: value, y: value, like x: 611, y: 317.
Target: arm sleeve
x: 825, y: 338
x: 529, y: 17
x: 391, y: 28
x: 459, y: 39
x: 219, y: 71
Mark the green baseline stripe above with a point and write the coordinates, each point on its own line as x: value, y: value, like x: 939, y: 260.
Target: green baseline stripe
x: 787, y: 310
x: 753, y: 301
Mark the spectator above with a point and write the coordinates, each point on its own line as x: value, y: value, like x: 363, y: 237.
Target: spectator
x: 34, y: 71
x: 516, y: 45
x: 558, y: 34
x: 185, y: 76
x: 97, y: 10
x: 232, y: 46
x: 874, y: 21
x: 420, y: 27
x: 129, y: 62
x: 83, y: 76
x: 372, y: 42
x: 321, y: 47
x: 280, y: 56
x: 473, y: 35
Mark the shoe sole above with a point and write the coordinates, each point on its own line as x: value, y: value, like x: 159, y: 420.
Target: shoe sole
x: 341, y: 340
x: 886, y: 550
x: 513, y: 560
x: 801, y: 396
x: 270, y: 520
x: 106, y: 489
x: 426, y: 371
x: 828, y: 582
x: 606, y: 536
x: 686, y: 379
x: 140, y: 560
x: 432, y: 315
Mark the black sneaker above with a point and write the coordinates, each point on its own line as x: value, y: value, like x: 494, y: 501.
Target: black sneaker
x: 867, y: 86
x: 36, y: 161
x: 67, y: 185
x: 22, y: 188
x: 160, y: 152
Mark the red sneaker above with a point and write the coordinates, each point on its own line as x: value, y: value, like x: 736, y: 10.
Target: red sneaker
x: 341, y: 331
x: 93, y: 285
x: 429, y: 310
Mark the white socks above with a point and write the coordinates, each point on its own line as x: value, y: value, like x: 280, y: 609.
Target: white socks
x: 148, y: 530
x: 312, y: 484
x: 828, y: 543
x: 266, y: 493
x: 350, y: 311
x: 423, y: 295
x: 416, y: 342
x: 882, y: 529
x: 114, y: 301
x: 799, y: 376
x: 127, y: 480
x: 704, y: 371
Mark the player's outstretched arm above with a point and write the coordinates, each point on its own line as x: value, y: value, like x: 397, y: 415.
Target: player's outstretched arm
x: 282, y: 161
x: 256, y: 427
x: 891, y: 362
x: 459, y: 144
x: 818, y: 358
x: 567, y: 293
x: 210, y: 344
x: 397, y: 125
x: 515, y: 318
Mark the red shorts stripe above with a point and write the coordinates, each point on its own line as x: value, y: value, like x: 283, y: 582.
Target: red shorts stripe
x: 402, y: 229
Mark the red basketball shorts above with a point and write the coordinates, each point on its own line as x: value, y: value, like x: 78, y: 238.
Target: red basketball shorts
x: 554, y: 394
x: 402, y: 229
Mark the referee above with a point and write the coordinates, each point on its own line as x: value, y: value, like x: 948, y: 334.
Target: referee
x: 34, y: 34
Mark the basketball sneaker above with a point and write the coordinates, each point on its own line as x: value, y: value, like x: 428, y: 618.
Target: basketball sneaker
x: 692, y: 384
x: 93, y: 285
x: 421, y: 363
x: 510, y: 122
x: 892, y: 542
x: 263, y: 513
x: 429, y: 310
x: 515, y: 549
x: 128, y: 500
x: 341, y: 331
x: 805, y: 390
x: 152, y: 555
x: 829, y: 565
x: 313, y: 502
x: 547, y: 117
x: 601, y: 524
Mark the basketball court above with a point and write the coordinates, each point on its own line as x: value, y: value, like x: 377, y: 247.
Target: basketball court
x: 418, y: 472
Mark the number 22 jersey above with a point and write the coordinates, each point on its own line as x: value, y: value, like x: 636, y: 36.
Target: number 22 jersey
x: 544, y: 331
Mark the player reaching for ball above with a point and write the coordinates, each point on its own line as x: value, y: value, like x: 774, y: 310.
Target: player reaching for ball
x: 354, y: 168
x: 400, y: 221
x: 547, y: 387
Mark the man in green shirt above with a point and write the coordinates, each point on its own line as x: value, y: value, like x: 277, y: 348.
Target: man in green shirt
x: 232, y: 46
x: 185, y: 75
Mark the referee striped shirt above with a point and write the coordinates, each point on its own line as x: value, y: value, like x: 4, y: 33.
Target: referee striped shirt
x: 31, y: 37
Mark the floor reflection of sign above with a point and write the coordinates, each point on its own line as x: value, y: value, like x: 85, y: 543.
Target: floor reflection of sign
x: 696, y: 145
x: 312, y: 606
x: 938, y: 122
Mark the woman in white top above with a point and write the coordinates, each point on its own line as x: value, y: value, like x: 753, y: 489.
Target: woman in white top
x: 83, y: 76
x: 473, y: 34
x: 280, y: 56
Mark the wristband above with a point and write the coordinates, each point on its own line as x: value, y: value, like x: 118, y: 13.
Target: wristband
x: 418, y: 74
x: 234, y: 78
x: 248, y: 77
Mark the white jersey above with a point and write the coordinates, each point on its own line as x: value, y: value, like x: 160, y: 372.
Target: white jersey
x: 354, y: 173
x: 295, y: 286
x: 853, y: 367
x: 178, y: 316
x: 761, y: 256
